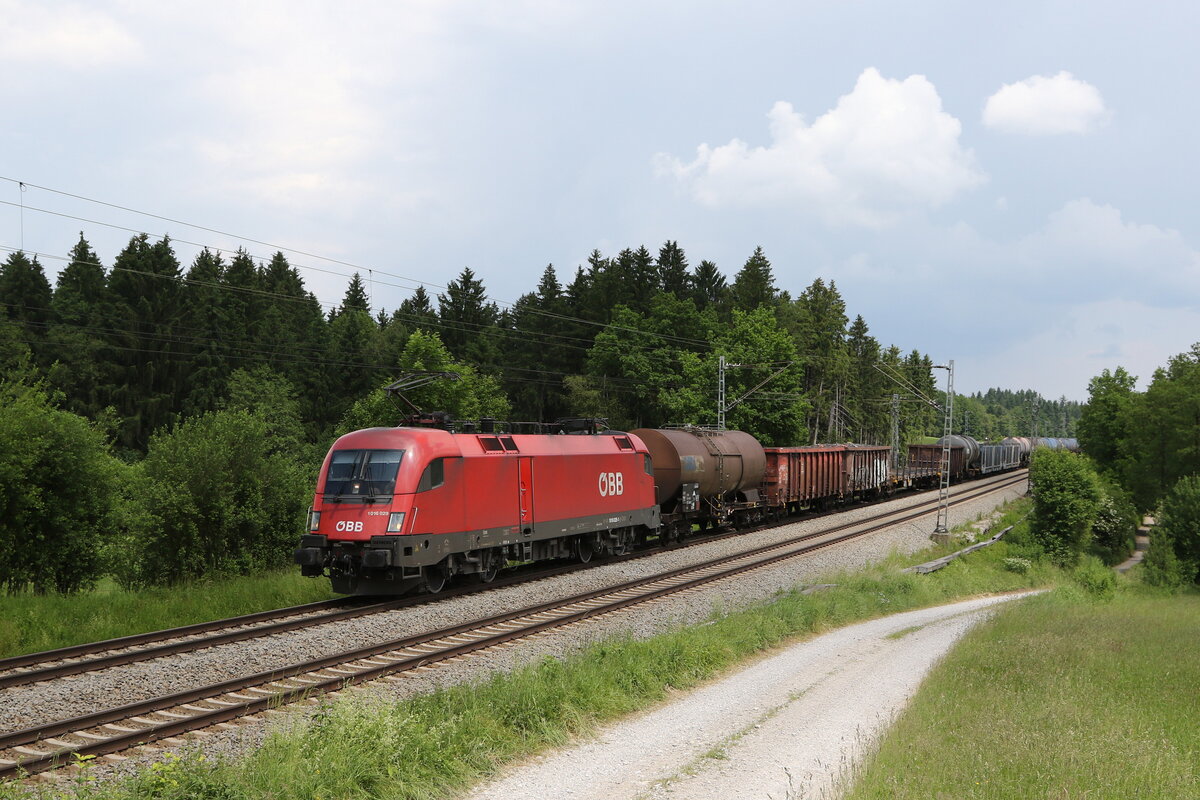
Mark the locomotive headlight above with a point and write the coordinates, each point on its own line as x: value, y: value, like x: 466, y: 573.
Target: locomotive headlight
x: 395, y: 521
x: 314, y: 519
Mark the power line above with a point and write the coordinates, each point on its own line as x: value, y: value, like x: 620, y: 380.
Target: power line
x: 487, y: 329
x: 352, y: 265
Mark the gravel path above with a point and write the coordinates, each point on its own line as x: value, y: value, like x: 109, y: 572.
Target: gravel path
x: 791, y: 725
x: 28, y: 705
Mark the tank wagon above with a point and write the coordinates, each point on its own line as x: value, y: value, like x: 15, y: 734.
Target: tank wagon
x: 705, y: 478
x: 409, y: 508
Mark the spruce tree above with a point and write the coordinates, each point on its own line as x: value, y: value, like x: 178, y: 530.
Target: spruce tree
x: 643, y: 279
x: 468, y: 321
x: 417, y: 311
x: 81, y: 365
x: 206, y: 322
x: 25, y: 299
x: 356, y: 296
x: 822, y: 338
x: 295, y: 334
x: 673, y: 275
x: 149, y: 352
x: 81, y: 290
x: 754, y: 285
x: 538, y: 353
x: 708, y: 286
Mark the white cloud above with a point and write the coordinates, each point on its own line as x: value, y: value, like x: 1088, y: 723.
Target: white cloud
x: 884, y: 150
x: 1041, y: 105
x: 1083, y: 339
x: 1091, y: 250
x: 73, y: 36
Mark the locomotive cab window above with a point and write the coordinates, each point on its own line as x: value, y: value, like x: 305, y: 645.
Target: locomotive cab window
x: 433, y: 476
x: 649, y: 465
x: 362, y: 475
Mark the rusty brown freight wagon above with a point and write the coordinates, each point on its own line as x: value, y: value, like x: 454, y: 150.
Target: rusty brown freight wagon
x: 925, y: 463
x: 804, y: 476
x: 868, y: 469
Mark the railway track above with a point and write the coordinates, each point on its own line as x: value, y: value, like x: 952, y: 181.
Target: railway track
x: 77, y: 659
x: 109, y: 731
x: 83, y: 658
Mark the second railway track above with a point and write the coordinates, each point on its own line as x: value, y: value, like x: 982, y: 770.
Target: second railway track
x: 46, y: 746
x: 52, y: 665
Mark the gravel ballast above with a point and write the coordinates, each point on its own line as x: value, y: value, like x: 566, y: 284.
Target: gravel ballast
x: 25, y: 706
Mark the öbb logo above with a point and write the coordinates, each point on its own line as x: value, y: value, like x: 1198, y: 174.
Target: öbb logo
x: 350, y: 526
x: 612, y: 484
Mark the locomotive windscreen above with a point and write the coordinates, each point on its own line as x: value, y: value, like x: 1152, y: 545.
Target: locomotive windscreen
x: 362, y: 474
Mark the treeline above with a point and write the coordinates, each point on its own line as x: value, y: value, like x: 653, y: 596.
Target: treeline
x: 1143, y: 455
x: 1151, y: 439
x: 164, y: 423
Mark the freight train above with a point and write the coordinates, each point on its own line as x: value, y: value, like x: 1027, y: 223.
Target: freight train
x: 411, y: 507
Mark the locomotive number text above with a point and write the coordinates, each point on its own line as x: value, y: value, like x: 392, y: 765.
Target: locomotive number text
x: 352, y: 526
x: 612, y: 484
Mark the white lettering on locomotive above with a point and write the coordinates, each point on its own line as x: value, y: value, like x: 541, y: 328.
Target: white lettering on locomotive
x: 612, y: 484
x: 350, y: 526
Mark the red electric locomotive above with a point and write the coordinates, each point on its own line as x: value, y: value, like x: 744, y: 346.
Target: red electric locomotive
x: 410, y: 507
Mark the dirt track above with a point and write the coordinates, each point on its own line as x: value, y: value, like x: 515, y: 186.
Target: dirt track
x: 789, y: 726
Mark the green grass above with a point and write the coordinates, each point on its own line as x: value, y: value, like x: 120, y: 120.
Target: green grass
x: 1057, y: 697
x: 432, y: 746
x: 30, y: 622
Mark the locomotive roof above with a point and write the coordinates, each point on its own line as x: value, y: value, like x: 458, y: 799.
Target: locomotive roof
x: 436, y: 442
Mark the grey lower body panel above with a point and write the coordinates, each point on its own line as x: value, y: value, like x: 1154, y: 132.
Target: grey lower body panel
x: 394, y: 564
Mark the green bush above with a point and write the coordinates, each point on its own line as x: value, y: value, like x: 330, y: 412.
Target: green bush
x: 1017, y: 564
x: 58, y: 484
x: 1160, y: 566
x: 1179, y: 526
x: 1115, y: 527
x: 212, y: 498
x: 1066, y: 499
x: 1098, y: 580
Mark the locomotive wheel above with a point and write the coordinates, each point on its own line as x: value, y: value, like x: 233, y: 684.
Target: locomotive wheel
x: 435, y: 578
x: 491, y: 566
x: 584, y: 549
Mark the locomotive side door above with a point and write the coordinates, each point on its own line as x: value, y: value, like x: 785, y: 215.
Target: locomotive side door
x: 525, y: 494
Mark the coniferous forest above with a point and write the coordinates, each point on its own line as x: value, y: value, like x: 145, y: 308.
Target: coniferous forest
x: 165, y: 422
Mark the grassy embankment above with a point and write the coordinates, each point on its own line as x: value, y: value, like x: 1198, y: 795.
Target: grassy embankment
x: 1057, y: 697
x: 30, y: 622
x: 433, y: 745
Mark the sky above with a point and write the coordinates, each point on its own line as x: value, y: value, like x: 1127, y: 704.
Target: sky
x: 1011, y: 186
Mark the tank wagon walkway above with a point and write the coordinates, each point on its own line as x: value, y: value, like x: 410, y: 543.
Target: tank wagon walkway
x: 790, y: 725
